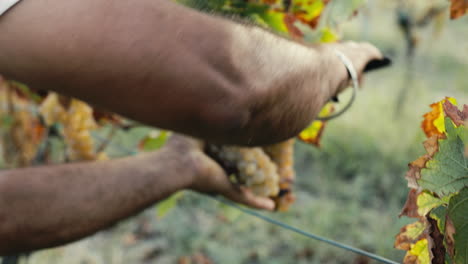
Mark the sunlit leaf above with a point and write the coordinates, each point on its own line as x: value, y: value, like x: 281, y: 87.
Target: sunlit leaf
x: 165, y: 206
x: 307, y: 10
x: 433, y: 123
x: 154, y: 140
x: 312, y: 134
x: 426, y: 202
x: 327, y: 35
x: 275, y: 20
x: 419, y: 253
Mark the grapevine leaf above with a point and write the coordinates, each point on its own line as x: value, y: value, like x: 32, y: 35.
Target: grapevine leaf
x: 433, y: 123
x: 307, y: 10
x: 458, y: 8
x: 410, y: 208
x: 457, y: 213
x: 410, y: 234
x: 313, y: 133
x: 275, y: 20
x: 439, y: 214
x: 154, y: 140
x: 447, y: 171
x: 327, y: 35
x: 434, y: 179
x: 166, y: 205
x: 426, y: 202
x: 414, y: 172
x: 270, y: 2
x: 457, y: 116
x: 418, y: 253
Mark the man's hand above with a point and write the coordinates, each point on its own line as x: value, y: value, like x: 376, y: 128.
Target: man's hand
x: 210, y: 178
x: 360, y: 54
x: 200, y: 75
x: 50, y: 205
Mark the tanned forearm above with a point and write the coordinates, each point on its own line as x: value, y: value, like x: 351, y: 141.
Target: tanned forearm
x: 51, y: 205
x: 169, y: 66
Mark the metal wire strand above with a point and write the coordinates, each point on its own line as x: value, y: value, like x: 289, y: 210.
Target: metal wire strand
x: 304, y: 233
x: 277, y: 222
x: 289, y: 227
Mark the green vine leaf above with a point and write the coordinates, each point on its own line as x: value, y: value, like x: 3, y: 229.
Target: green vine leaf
x: 447, y: 171
x: 426, y: 202
x: 458, y: 214
x: 439, y: 214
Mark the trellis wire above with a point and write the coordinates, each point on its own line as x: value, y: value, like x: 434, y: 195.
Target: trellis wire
x: 289, y: 227
x: 302, y: 232
x: 277, y: 222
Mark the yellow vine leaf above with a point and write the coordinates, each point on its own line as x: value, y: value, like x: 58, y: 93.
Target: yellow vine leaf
x: 426, y: 202
x: 327, y: 35
x: 419, y: 253
x: 433, y: 123
x: 313, y: 132
x: 458, y: 8
x: 409, y: 234
x: 307, y: 10
x: 275, y: 20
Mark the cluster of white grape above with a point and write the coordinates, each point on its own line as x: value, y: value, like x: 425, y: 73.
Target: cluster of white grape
x: 22, y: 132
x: 282, y: 155
x: 267, y: 171
x: 77, y: 121
x: 252, y: 167
x: 26, y: 135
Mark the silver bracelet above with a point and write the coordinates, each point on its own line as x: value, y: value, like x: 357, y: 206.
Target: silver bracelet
x: 354, y: 77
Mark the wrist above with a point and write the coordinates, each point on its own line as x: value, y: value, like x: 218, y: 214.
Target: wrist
x: 167, y: 167
x: 335, y: 70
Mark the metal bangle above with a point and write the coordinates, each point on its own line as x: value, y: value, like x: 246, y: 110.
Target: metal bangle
x: 354, y: 77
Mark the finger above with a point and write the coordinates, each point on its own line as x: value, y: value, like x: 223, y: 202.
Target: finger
x: 216, y: 181
x: 372, y: 51
x: 245, y: 196
x: 180, y: 141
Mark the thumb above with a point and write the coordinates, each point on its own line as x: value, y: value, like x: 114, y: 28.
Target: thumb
x: 213, y: 179
x: 243, y: 195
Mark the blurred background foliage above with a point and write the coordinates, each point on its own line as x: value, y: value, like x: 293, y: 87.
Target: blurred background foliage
x: 351, y: 189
